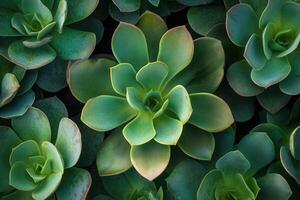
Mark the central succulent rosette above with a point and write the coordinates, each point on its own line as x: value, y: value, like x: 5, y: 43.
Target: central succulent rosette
x: 144, y: 98
x: 159, y: 84
x: 35, y: 31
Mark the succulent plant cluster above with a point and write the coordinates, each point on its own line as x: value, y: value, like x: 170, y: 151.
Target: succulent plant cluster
x: 149, y: 100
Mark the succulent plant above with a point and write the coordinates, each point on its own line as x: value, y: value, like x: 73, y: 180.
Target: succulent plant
x: 35, y: 32
x: 268, y: 30
x: 16, y: 94
x: 158, y: 86
x: 235, y: 172
x: 231, y: 180
x: 31, y: 165
x: 119, y: 188
x: 284, y: 130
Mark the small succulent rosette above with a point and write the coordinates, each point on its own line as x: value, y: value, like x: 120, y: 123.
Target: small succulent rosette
x: 16, y: 94
x: 269, y: 32
x: 157, y: 96
x: 117, y: 188
x: 130, y: 11
x: 238, y: 173
x: 35, y: 32
x: 284, y: 130
x: 31, y: 165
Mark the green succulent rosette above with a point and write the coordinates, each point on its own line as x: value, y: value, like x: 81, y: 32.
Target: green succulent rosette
x: 119, y: 188
x: 284, y: 130
x: 35, y: 32
x: 269, y: 33
x: 157, y: 96
x: 236, y: 172
x: 16, y: 95
x: 33, y: 167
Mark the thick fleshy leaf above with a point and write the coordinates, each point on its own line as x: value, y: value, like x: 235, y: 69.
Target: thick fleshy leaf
x: 128, y: 185
x: 93, y: 25
x: 241, y: 23
x: 274, y: 71
x: 275, y: 133
x: 78, y: 10
x: 203, y: 18
x: 52, y: 77
x: 122, y: 77
x: 33, y: 125
x: 181, y: 183
x: 233, y: 162
x: 37, y: 7
x: 291, y: 84
x: 128, y: 17
x: 19, y: 178
x: 150, y: 159
x: 52, y: 156
x: 134, y: 98
x: 224, y: 142
x: 242, y: 108
x: 114, y: 155
x: 197, y: 143
x: 238, y: 187
x: 140, y: 130
x: 55, y: 110
x: 152, y: 75
x: 18, y: 106
x: 23, y: 151
x: 257, y: 5
x: 168, y: 130
x: 9, y: 140
x: 82, y: 74
x: 68, y: 142
x: 127, y: 6
x: 74, y: 185
x: 290, y: 164
x: 239, y: 78
x: 273, y: 99
x: 208, y: 185
x: 180, y: 103
x: 295, y: 143
x: 7, y: 30
x: 61, y: 14
x: 9, y: 88
x: 274, y: 186
x: 146, y: 22
x: 264, y: 147
x: 105, y: 112
x: 206, y: 71
x: 27, y: 81
x: 73, y: 44
x: 254, y: 53
x: 48, y: 186
x: 91, y: 142
x: 210, y: 112
x: 29, y: 58
x: 272, y: 12
x: 268, y: 34
x: 176, y: 49
x: 126, y: 51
